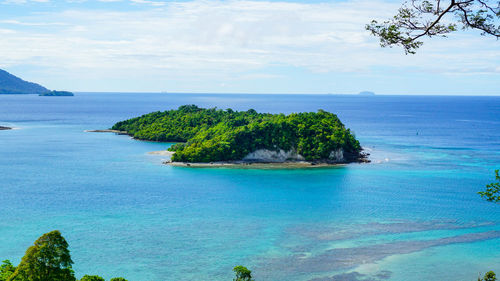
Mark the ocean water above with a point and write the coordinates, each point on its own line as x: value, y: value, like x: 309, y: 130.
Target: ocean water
x: 412, y: 214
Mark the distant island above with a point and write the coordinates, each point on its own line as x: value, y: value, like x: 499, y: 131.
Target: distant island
x: 57, y: 94
x: 366, y: 93
x: 5, y: 128
x: 13, y: 85
x: 227, y: 136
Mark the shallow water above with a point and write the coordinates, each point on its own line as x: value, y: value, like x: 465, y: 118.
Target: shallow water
x: 412, y: 214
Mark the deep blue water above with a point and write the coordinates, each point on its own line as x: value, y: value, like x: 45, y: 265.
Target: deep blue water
x: 412, y: 214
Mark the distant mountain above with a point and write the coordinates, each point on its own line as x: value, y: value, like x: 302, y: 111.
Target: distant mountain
x: 10, y: 84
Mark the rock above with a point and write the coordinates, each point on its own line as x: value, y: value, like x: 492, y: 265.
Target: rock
x: 273, y: 156
x: 337, y: 155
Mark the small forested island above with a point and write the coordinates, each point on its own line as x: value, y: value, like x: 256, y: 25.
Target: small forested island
x: 57, y: 94
x: 366, y: 93
x: 215, y: 135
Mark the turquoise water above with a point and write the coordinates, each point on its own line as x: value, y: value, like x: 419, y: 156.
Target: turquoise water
x: 411, y: 214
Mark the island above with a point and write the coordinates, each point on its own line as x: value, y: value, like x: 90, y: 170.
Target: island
x: 214, y: 136
x: 5, y: 128
x: 366, y: 93
x: 13, y: 85
x: 57, y: 94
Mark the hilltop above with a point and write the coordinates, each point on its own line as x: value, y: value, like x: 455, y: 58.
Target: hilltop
x: 11, y: 84
x: 214, y: 135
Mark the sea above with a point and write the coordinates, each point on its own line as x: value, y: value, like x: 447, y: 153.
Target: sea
x: 412, y: 214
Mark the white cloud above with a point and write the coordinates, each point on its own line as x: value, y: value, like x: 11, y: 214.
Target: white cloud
x: 224, y: 38
x: 23, y: 1
x: 152, y: 3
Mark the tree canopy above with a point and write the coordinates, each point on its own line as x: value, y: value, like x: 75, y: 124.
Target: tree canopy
x: 492, y: 192
x: 92, y: 278
x: 48, y: 259
x: 242, y: 273
x: 207, y: 135
x: 489, y: 276
x: 429, y: 18
x: 6, y: 270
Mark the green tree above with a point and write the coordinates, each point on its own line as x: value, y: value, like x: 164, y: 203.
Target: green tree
x: 490, y: 276
x: 118, y: 279
x: 6, y: 270
x: 47, y: 260
x: 429, y: 18
x: 92, y: 278
x: 492, y: 192
x: 242, y: 273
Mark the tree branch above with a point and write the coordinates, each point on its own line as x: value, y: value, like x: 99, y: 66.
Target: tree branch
x: 452, y: 4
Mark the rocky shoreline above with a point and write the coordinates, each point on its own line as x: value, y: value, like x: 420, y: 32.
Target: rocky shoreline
x: 269, y: 163
x: 262, y: 159
x: 255, y: 165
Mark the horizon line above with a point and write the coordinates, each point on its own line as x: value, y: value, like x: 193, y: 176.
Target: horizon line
x: 298, y: 94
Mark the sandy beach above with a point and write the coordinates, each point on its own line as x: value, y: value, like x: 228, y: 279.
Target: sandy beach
x: 162, y: 152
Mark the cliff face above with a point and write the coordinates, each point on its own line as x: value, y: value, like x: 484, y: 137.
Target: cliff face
x: 279, y: 156
x: 265, y: 155
x: 337, y: 155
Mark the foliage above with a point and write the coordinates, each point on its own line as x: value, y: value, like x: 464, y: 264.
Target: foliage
x: 207, y: 135
x: 6, y: 270
x: 490, y: 276
x: 92, y: 278
x: 492, y: 192
x: 419, y: 18
x: 242, y: 273
x: 47, y: 259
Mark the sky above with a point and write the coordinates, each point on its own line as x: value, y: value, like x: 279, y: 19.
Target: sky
x: 308, y: 47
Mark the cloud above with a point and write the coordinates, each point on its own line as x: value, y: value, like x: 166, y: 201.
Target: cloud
x: 153, y: 3
x: 23, y: 1
x: 228, y: 39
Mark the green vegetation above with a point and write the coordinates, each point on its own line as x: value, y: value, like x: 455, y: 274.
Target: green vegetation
x: 429, y: 18
x: 492, y: 192
x: 6, y: 270
x: 92, y: 278
x: 57, y: 94
x: 489, y: 276
x: 242, y: 273
x: 47, y: 260
x: 207, y: 135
